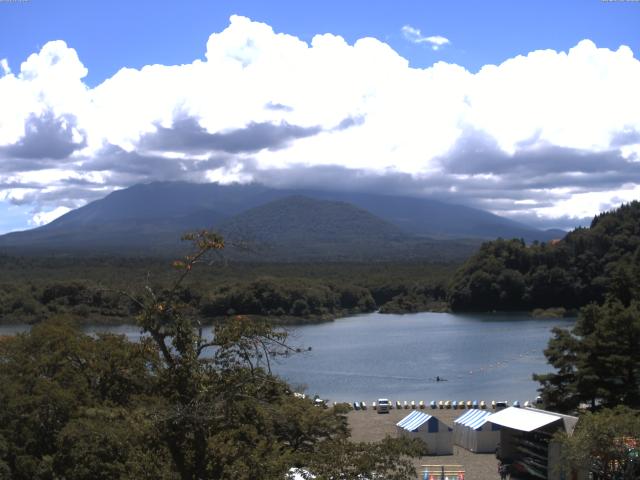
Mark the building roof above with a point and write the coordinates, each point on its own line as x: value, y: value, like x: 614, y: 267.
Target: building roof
x: 412, y: 421
x: 523, y: 419
x: 473, y: 419
x: 568, y: 420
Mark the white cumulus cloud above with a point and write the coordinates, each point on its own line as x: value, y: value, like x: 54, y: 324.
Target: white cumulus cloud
x: 414, y: 35
x: 4, y: 65
x: 537, y: 134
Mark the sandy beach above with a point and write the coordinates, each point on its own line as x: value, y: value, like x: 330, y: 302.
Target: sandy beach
x: 370, y: 426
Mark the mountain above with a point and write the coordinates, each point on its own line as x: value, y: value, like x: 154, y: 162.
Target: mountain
x: 303, y: 228
x: 298, y: 219
x: 283, y: 224
x: 433, y: 218
x: 146, y: 218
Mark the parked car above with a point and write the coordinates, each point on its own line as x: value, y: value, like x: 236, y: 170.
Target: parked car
x: 384, y: 405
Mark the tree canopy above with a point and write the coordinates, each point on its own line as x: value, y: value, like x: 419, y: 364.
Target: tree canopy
x: 585, y: 266
x: 597, y: 362
x: 606, y: 443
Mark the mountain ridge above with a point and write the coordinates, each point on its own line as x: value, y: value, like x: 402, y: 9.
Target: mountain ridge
x: 150, y: 218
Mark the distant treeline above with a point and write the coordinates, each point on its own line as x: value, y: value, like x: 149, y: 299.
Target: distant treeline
x: 505, y: 275
x: 104, y: 290
x: 586, y: 266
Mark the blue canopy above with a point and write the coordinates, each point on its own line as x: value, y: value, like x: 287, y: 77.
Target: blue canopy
x: 473, y: 419
x: 412, y: 421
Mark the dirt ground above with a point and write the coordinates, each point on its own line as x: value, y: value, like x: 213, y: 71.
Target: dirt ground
x: 370, y: 426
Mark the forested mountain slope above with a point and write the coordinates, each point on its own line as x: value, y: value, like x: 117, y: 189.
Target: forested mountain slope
x: 584, y: 267
x: 149, y: 219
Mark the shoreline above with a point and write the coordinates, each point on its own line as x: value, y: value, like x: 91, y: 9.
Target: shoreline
x: 292, y: 321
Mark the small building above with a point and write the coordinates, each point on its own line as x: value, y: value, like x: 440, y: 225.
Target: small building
x: 436, y: 434
x: 526, y: 441
x: 474, y: 431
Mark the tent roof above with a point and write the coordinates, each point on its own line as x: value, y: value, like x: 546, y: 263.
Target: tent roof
x: 568, y: 420
x: 412, y: 421
x: 523, y: 419
x: 473, y: 418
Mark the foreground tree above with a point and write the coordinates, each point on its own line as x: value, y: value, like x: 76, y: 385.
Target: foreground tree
x: 68, y: 400
x: 182, y: 403
x: 597, y: 362
x: 606, y: 444
x: 345, y: 460
x: 226, y: 415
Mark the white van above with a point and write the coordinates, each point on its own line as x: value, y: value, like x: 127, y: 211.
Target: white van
x: 383, y: 405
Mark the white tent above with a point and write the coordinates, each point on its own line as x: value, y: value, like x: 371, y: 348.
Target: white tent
x: 529, y: 419
x: 526, y: 440
x: 474, y: 431
x: 436, y: 434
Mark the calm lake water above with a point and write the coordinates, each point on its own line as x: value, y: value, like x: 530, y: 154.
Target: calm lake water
x: 399, y: 356
x: 483, y: 357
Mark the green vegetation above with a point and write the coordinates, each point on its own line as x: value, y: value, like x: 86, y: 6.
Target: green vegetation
x: 606, y: 443
x: 597, y: 362
x: 279, y: 298
x: 36, y: 288
x: 78, y: 407
x: 585, y: 266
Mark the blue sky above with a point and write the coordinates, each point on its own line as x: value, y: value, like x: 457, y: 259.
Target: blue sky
x: 113, y: 34
x: 549, y: 136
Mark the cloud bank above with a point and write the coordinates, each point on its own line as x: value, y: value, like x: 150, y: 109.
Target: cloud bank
x: 548, y: 136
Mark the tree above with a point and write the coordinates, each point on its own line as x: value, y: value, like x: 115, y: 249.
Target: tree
x: 181, y: 403
x: 105, y: 443
x: 51, y: 378
x: 558, y: 389
x: 225, y: 415
x: 345, y: 460
x: 606, y: 443
x: 598, y: 361
x: 585, y: 266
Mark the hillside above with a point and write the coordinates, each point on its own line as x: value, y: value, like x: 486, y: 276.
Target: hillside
x: 149, y: 219
x: 433, y: 218
x: 586, y: 266
x: 299, y: 228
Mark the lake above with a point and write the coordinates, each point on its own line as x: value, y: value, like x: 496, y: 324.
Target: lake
x: 484, y: 357
x: 399, y: 357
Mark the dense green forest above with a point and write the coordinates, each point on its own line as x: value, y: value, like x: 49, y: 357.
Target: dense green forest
x: 584, y: 267
x: 91, y: 288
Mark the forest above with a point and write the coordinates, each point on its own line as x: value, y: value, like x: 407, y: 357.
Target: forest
x: 98, y: 290
x: 585, y: 266
x: 504, y: 275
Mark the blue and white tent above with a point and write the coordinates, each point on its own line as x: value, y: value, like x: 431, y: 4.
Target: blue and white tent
x: 436, y: 434
x: 475, y: 432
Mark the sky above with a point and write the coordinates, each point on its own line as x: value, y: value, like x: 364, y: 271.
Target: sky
x: 527, y: 109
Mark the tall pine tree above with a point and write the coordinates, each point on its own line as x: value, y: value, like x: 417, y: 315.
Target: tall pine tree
x: 598, y: 361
